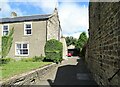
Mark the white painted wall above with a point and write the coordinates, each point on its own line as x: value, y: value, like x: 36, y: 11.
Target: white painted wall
x: 63, y: 41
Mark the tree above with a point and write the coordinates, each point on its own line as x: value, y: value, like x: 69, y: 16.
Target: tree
x: 81, y: 41
x: 70, y: 40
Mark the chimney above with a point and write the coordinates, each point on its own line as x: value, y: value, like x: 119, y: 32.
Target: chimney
x: 13, y: 14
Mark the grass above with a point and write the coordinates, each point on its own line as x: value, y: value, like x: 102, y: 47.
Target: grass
x: 14, y: 68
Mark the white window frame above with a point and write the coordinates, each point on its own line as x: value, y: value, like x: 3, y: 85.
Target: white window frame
x: 21, y: 48
x: 28, y: 28
x: 3, y: 29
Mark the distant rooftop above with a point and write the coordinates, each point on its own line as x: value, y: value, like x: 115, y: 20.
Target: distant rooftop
x: 25, y: 18
x: 71, y: 46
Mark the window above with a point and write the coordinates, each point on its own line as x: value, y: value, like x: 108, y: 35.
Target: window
x: 22, y: 49
x: 5, y: 30
x: 27, y: 28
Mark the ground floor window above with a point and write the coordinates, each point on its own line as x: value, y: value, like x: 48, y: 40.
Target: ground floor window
x: 22, y: 49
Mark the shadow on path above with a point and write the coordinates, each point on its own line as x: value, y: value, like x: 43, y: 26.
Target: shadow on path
x: 73, y: 75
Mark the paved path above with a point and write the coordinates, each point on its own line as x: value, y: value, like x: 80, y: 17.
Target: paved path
x: 70, y: 72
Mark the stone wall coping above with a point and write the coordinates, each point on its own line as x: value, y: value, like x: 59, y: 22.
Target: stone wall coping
x: 22, y: 75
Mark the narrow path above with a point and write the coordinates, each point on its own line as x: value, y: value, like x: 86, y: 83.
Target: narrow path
x: 70, y: 72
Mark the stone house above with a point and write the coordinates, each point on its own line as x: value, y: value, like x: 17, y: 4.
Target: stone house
x: 31, y: 33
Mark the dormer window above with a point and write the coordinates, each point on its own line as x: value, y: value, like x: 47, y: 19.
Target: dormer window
x: 28, y: 29
x: 5, y: 30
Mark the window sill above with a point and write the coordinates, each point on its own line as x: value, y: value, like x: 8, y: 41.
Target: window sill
x: 27, y: 35
x: 21, y: 55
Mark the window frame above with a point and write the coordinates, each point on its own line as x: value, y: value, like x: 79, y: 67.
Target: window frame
x: 3, y: 29
x: 25, y: 29
x: 21, y: 48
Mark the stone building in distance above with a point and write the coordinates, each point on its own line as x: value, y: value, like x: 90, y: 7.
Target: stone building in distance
x: 103, y: 50
x: 31, y: 33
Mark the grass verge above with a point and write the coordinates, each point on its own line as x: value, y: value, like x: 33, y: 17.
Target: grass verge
x: 14, y: 68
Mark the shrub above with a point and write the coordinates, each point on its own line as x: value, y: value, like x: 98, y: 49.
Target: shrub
x: 38, y: 58
x: 6, y: 60
x: 34, y: 59
x: 27, y: 59
x: 53, y: 50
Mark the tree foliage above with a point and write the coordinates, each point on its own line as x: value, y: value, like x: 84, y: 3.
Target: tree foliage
x: 82, y: 40
x: 70, y: 40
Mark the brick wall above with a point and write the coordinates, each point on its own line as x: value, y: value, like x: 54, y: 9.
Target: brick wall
x: 103, y: 50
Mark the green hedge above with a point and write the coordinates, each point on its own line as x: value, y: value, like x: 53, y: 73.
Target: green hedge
x: 53, y: 50
x: 7, y: 43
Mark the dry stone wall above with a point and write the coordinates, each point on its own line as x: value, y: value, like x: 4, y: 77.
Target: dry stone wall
x: 103, y: 50
x: 29, y: 78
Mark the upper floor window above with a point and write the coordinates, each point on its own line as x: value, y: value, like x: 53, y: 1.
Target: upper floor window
x: 27, y: 28
x: 5, y: 30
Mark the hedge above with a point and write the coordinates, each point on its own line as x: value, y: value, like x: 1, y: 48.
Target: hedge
x: 53, y: 50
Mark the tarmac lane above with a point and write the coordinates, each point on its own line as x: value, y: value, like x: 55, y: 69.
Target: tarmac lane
x: 72, y: 71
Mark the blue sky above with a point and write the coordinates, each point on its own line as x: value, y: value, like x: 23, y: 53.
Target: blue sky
x: 73, y: 14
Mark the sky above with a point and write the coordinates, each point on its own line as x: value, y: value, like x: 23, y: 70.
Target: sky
x: 73, y: 14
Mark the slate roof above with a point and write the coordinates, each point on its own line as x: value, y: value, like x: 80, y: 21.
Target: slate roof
x: 25, y: 18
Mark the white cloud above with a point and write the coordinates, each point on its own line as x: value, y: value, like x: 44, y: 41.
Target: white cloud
x: 46, y: 5
x: 73, y: 0
x: 75, y: 35
x: 6, y: 9
x: 73, y: 18
x: 48, y: 0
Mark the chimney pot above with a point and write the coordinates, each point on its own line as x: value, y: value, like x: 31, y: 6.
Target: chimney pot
x: 13, y: 14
